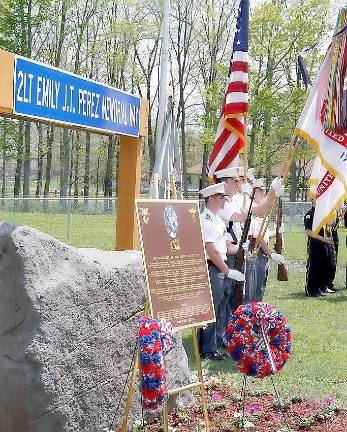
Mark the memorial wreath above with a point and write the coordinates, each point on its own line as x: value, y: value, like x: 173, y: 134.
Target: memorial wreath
x: 258, y: 339
x: 154, y: 341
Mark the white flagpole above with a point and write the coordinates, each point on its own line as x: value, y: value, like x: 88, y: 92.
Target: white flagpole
x: 164, y: 60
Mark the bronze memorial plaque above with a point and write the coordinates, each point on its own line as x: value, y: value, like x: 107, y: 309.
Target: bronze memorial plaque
x: 175, y: 264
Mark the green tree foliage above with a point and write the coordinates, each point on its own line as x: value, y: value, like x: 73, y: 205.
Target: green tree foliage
x: 118, y: 42
x: 279, y: 31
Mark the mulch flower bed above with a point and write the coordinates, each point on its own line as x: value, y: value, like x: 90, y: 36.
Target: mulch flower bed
x: 262, y: 413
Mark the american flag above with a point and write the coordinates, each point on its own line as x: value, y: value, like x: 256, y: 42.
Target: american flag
x: 231, y: 128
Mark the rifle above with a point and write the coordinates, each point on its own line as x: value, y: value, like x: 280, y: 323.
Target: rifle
x: 282, y: 274
x: 240, y: 256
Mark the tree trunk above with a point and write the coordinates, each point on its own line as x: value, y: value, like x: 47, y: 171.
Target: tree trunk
x: 97, y: 174
x: 150, y: 140
x: 183, y: 143
x: 71, y: 164
x: 39, y: 160
x: 109, y: 166
x: 293, y: 182
x: 77, y: 164
x: 87, y: 166
x: 61, y: 160
x: 252, y: 145
x: 19, y: 162
x: 65, y: 163
x: 27, y: 157
x: 50, y: 138
x: 204, y: 167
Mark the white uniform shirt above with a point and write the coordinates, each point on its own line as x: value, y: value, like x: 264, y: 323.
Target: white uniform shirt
x: 255, y: 226
x: 231, y: 206
x: 214, y: 231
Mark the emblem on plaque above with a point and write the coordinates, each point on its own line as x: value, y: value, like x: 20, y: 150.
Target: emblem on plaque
x: 171, y: 221
x: 193, y: 212
x: 175, y: 245
x: 144, y: 213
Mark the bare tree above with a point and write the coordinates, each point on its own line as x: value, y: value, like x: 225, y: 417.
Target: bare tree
x: 214, y: 48
x: 185, y: 56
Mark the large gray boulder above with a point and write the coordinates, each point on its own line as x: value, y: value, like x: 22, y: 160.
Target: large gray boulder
x: 67, y: 334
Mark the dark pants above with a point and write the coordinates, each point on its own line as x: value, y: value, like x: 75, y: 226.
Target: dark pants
x: 335, y: 237
x: 318, y: 268
x: 331, y: 263
x: 256, y: 278
x: 227, y: 305
x: 210, y: 338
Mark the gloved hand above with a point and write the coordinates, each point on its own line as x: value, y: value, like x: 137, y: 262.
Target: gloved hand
x: 278, y: 258
x: 245, y: 246
x: 281, y: 229
x: 246, y: 188
x: 235, y: 274
x: 277, y: 186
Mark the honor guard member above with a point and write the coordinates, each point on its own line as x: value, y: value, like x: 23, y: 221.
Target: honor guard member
x: 257, y: 268
x: 234, y: 213
x: 215, y: 240
x: 258, y: 209
x: 318, y: 254
x: 335, y: 250
x: 232, y: 216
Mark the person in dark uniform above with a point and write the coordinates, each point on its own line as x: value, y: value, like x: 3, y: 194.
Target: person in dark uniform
x: 332, y: 255
x: 318, y: 249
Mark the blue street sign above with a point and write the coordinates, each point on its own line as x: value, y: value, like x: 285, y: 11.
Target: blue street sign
x: 47, y: 93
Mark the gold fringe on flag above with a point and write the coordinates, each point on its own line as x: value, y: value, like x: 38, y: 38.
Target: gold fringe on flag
x: 336, y: 113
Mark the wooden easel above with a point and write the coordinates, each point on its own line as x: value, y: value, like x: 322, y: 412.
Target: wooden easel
x: 172, y: 392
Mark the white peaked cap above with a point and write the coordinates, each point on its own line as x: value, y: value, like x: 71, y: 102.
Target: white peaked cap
x: 214, y: 189
x: 250, y: 172
x: 231, y: 172
x: 259, y: 183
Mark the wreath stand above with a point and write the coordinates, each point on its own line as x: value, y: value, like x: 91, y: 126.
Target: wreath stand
x: 243, y: 401
x: 172, y: 392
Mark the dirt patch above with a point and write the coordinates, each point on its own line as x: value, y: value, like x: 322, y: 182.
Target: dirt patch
x: 262, y: 414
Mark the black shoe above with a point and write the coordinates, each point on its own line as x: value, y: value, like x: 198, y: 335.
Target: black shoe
x: 218, y: 356
x: 223, y: 354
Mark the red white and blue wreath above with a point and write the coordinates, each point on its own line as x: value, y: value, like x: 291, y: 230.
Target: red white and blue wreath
x: 258, y: 338
x: 154, y: 341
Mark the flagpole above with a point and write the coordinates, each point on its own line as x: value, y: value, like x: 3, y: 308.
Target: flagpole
x: 284, y: 171
x: 245, y: 152
x: 164, y: 60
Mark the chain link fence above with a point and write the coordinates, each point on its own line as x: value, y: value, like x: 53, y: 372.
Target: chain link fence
x: 80, y: 222
x: 90, y: 222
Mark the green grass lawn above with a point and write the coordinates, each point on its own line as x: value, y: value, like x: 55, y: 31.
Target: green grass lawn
x: 79, y: 230
x: 318, y: 365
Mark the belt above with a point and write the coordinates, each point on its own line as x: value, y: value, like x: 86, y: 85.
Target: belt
x: 210, y: 262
